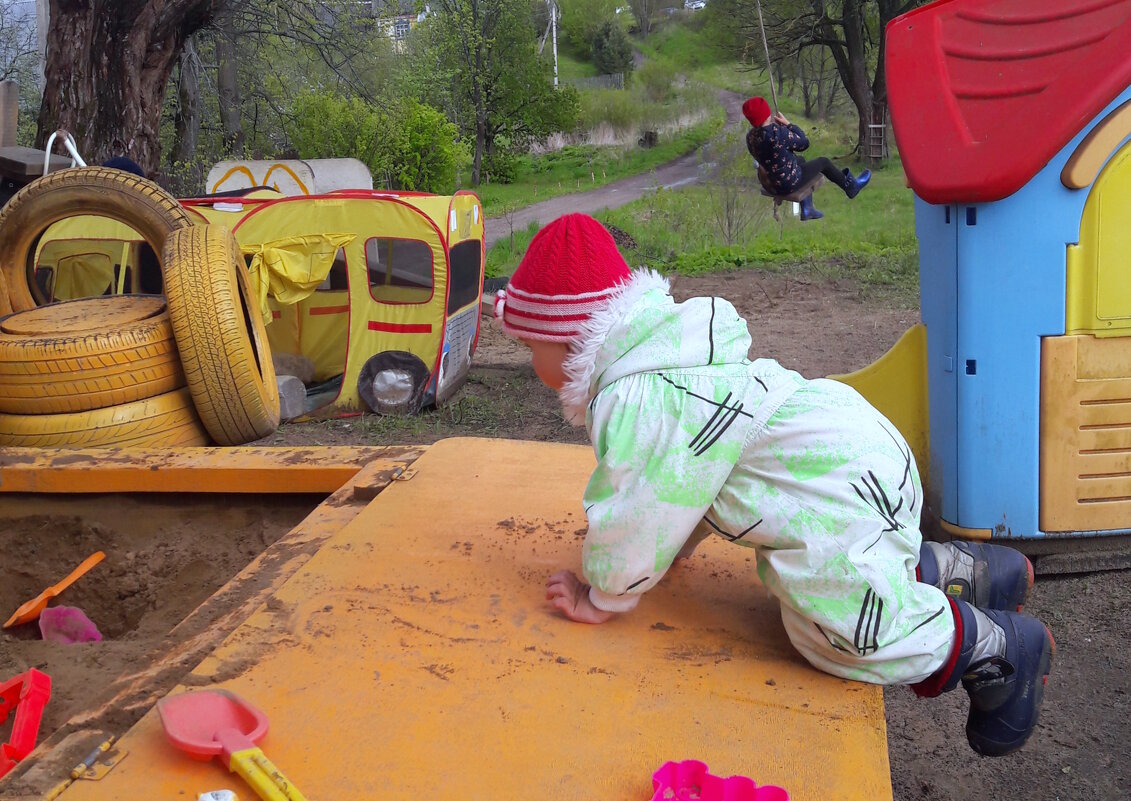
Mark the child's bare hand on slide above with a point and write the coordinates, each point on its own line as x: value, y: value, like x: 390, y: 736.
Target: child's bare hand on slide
x: 570, y: 596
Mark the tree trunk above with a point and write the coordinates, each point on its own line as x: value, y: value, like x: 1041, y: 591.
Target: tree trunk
x: 108, y: 63
x: 186, y: 120
x: 850, y: 56
x: 228, y: 89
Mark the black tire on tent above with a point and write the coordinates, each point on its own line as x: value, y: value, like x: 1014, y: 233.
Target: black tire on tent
x: 220, y: 335
x: 87, y: 354
x: 100, y: 191
x: 164, y: 421
x: 394, y: 383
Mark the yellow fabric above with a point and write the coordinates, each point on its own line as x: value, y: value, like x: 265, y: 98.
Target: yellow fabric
x: 291, y: 269
x: 82, y: 276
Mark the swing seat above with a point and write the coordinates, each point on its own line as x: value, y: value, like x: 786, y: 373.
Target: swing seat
x: 795, y: 196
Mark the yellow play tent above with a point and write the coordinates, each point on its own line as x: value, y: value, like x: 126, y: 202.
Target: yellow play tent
x: 379, y: 289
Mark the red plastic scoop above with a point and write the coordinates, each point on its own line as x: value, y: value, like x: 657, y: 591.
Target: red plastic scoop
x: 210, y: 722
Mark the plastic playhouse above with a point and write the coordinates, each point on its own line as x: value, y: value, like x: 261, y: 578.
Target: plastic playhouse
x: 1013, y: 119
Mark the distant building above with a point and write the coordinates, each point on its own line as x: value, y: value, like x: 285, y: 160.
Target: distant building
x: 394, y: 18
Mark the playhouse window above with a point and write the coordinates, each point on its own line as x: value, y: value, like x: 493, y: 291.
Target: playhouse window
x: 400, y: 270
x: 464, y: 275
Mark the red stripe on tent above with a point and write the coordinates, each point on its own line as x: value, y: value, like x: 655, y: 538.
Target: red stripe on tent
x: 394, y: 328
x: 329, y: 310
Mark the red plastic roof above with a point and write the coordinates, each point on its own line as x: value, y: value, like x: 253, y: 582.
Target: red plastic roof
x: 983, y: 93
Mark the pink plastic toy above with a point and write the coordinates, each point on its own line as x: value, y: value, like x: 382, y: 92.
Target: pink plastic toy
x: 67, y: 624
x: 690, y: 781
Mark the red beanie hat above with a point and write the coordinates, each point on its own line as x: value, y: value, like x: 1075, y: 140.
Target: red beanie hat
x: 569, y: 271
x: 756, y: 110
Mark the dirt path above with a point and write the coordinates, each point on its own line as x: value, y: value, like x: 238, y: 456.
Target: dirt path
x: 680, y: 172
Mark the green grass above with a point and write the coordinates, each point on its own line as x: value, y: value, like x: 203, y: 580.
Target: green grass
x: 870, y: 238
x: 571, y: 65
x: 585, y: 167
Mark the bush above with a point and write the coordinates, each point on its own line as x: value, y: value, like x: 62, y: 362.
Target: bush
x: 657, y: 80
x: 612, y: 52
x: 612, y: 106
x: 326, y: 125
x: 413, y: 148
x: 428, y: 152
x: 581, y: 19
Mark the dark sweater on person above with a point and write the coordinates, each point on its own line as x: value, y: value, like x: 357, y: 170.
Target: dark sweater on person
x: 773, y: 146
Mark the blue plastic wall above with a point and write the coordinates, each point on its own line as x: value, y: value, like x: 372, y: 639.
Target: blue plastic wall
x: 992, y: 281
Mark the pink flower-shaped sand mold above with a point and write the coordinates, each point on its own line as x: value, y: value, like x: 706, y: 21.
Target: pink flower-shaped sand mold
x: 690, y: 781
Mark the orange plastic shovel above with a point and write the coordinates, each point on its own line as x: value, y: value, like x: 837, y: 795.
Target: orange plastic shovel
x: 30, y: 611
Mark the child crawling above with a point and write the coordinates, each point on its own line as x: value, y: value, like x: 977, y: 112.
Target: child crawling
x: 693, y: 438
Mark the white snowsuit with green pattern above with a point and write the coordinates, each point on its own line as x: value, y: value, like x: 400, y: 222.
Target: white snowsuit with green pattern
x: 689, y: 432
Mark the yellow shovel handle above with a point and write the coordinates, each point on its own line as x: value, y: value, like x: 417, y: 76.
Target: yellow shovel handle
x: 262, y: 776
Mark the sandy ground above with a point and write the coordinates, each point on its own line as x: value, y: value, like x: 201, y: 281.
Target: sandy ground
x: 164, y: 556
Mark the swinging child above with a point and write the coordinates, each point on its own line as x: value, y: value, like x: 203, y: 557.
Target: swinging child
x: 774, y: 142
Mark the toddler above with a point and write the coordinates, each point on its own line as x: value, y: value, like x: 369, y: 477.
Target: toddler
x: 693, y: 438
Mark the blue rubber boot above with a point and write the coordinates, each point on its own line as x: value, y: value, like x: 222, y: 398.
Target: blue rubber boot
x: 983, y: 575
x: 1002, y: 659
x: 809, y: 211
x: 852, y: 186
x: 1006, y: 691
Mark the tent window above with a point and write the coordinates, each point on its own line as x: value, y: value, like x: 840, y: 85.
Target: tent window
x: 464, y: 287
x: 338, y: 279
x: 400, y: 270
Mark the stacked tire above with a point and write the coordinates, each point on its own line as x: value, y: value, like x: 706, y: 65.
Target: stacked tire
x: 187, y: 368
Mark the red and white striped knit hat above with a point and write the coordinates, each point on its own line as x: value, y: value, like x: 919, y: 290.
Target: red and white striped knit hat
x: 569, y: 272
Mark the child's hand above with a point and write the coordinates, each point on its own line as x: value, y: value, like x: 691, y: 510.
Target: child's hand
x: 780, y: 119
x: 570, y: 595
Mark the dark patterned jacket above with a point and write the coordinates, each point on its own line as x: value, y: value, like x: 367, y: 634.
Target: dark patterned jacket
x: 773, y: 146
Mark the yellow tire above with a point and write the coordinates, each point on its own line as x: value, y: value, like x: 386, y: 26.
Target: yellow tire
x: 220, y: 335
x: 122, y: 196
x: 165, y: 421
x: 87, y: 354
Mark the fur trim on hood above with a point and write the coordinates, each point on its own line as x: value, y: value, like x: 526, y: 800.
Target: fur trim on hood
x: 577, y: 391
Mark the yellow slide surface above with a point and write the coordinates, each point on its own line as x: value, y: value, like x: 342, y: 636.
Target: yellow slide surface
x: 414, y: 656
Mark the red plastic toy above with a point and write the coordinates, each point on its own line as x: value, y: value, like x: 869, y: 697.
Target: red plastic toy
x: 690, y: 781
x: 27, y: 693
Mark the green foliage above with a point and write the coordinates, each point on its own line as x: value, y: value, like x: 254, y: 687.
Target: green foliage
x: 500, y: 91
x: 428, y: 153
x: 412, y: 148
x: 657, y: 79
x: 582, y: 19
x: 612, y: 52
x: 326, y: 125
